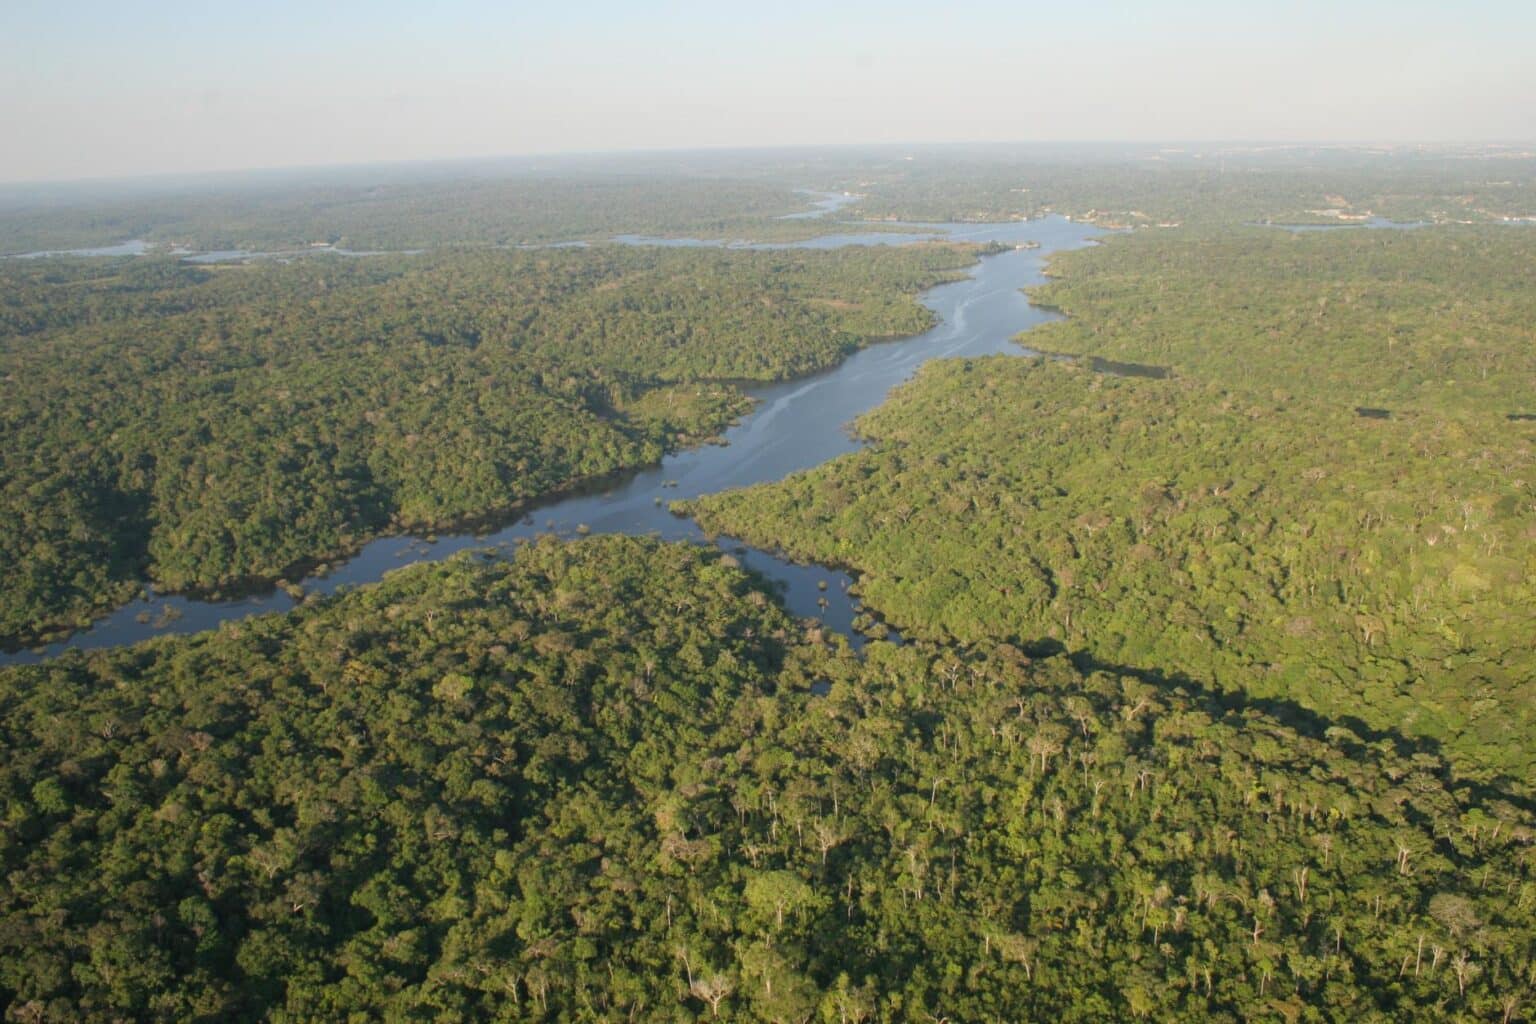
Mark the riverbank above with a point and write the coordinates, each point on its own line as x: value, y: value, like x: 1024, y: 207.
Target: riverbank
x: 795, y: 425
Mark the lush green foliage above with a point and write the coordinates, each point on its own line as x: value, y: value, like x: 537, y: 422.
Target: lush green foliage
x: 596, y: 785
x: 1210, y: 687
x: 1175, y: 527
x: 1433, y: 323
x: 209, y: 426
x: 1255, y: 533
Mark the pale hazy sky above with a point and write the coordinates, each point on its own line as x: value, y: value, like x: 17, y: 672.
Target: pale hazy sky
x: 101, y: 88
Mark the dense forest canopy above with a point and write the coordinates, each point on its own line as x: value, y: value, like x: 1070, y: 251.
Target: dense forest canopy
x: 1370, y: 568
x: 1437, y: 324
x: 207, y: 426
x: 1214, y: 696
x: 1238, y: 522
x: 598, y: 784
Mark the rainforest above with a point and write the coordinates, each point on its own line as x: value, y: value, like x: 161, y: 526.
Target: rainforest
x: 1190, y: 671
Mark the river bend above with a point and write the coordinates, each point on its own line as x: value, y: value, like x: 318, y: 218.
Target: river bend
x: 794, y: 425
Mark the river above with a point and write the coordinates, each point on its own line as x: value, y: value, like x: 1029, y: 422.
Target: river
x: 794, y: 425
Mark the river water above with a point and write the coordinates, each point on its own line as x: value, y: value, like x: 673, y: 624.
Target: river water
x: 132, y: 247
x: 795, y: 425
x: 823, y: 204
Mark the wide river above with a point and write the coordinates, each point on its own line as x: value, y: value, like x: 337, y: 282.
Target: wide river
x: 795, y: 425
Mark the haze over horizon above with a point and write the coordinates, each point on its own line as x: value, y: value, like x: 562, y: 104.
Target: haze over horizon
x: 97, y: 90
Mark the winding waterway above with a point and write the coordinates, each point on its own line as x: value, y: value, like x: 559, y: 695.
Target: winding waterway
x: 795, y: 425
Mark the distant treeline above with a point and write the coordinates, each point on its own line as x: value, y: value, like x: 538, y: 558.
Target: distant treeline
x: 404, y: 214
x: 745, y: 195
x: 1152, y: 189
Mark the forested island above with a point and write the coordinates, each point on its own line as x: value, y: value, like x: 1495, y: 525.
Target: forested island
x: 1197, y: 677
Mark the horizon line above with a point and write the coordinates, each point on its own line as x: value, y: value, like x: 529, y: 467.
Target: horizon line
x: 445, y: 162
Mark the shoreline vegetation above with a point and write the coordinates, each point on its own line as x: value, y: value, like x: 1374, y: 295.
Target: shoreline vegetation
x: 1240, y: 520
x: 332, y: 399
x: 1214, y: 691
